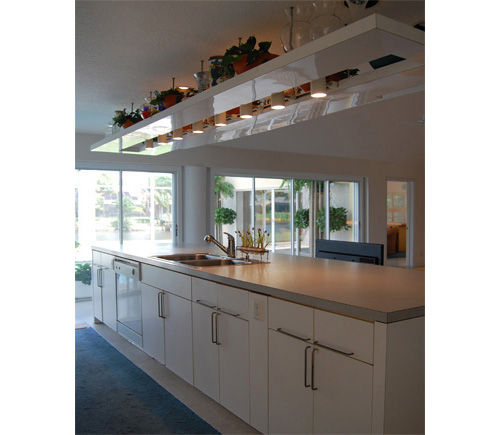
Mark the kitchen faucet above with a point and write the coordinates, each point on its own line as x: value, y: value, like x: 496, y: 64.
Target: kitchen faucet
x: 230, y: 250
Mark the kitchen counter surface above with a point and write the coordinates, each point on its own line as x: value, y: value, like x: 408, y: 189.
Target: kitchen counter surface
x: 378, y: 293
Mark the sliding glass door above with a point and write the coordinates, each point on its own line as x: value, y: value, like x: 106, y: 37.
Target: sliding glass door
x: 291, y: 211
x: 122, y: 207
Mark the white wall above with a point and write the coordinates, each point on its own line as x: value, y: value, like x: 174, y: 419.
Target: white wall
x: 256, y: 162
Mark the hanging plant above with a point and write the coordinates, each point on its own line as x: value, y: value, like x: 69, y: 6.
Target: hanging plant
x: 301, y: 219
x: 338, y: 219
x: 224, y: 216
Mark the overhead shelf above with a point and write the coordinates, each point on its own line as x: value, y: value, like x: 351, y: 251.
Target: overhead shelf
x: 353, y: 46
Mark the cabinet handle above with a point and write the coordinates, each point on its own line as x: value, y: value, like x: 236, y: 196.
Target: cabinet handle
x: 99, y: 277
x: 312, y: 371
x: 159, y: 305
x: 324, y: 346
x: 214, y: 340
x: 227, y: 312
x: 205, y: 304
x: 305, y: 367
x: 292, y: 335
x: 217, y: 329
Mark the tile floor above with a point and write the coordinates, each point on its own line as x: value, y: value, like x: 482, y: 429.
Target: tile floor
x: 220, y: 418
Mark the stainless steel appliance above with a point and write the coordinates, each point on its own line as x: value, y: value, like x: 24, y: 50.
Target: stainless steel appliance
x: 128, y: 300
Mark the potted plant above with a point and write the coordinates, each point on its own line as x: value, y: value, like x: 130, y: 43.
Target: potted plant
x: 124, y: 119
x: 224, y: 216
x: 242, y: 57
x: 338, y: 219
x: 83, y: 278
x: 166, y: 99
x: 301, y: 219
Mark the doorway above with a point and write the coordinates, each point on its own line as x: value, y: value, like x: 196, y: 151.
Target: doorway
x: 399, y: 216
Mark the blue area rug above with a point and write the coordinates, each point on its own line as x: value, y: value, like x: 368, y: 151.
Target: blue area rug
x: 113, y: 396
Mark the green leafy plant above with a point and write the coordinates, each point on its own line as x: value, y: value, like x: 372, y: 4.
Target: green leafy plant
x: 223, y: 188
x: 224, y: 216
x: 301, y: 219
x: 237, y: 51
x: 160, y: 96
x: 121, y: 118
x: 83, y: 273
x: 338, y: 219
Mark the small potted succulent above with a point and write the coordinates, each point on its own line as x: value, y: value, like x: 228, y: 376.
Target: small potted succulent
x: 124, y: 119
x: 243, y: 57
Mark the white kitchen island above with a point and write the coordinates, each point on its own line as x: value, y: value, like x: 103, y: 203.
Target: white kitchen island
x: 296, y: 345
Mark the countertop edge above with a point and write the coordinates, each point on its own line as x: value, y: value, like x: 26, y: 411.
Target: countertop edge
x: 313, y: 302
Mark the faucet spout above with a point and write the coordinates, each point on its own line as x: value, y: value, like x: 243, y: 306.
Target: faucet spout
x: 230, y: 251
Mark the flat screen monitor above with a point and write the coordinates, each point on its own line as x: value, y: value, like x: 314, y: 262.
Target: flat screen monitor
x: 370, y: 253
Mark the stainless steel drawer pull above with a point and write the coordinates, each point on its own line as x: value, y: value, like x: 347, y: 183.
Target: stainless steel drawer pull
x: 227, y: 312
x: 305, y: 367
x: 159, y: 305
x: 205, y: 304
x: 312, y: 371
x: 324, y: 346
x: 217, y: 329
x: 292, y: 335
x: 214, y: 338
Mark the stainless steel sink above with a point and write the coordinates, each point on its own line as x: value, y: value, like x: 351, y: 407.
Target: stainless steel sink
x: 184, y: 257
x: 203, y: 260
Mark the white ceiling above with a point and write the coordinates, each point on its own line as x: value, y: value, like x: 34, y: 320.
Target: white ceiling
x: 125, y: 49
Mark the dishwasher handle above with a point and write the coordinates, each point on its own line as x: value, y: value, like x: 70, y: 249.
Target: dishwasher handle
x: 127, y: 268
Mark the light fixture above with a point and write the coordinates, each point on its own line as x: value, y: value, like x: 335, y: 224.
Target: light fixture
x: 183, y: 88
x: 198, y: 127
x: 177, y: 135
x: 278, y: 100
x: 318, y: 88
x: 246, y: 110
x: 220, y: 119
x: 162, y: 139
x: 150, y: 144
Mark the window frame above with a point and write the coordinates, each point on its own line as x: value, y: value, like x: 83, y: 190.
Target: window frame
x: 327, y: 178
x: 176, y: 173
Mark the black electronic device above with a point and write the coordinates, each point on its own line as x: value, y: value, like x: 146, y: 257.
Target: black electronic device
x: 370, y: 253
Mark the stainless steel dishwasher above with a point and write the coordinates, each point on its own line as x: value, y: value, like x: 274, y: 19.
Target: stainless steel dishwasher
x: 128, y: 300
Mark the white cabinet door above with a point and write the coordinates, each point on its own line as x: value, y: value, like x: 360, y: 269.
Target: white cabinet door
x: 205, y: 352
x: 234, y: 367
x: 97, y: 292
x: 152, y: 322
x: 109, y: 298
x: 290, y: 395
x: 178, y: 336
x: 342, y: 395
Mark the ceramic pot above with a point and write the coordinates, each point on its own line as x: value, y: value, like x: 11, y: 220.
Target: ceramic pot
x: 240, y: 66
x: 128, y: 123
x: 170, y: 100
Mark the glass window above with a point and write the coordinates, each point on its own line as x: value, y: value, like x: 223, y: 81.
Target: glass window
x: 344, y: 211
x: 97, y: 210
x: 243, y: 203
x: 147, y: 207
x: 144, y: 204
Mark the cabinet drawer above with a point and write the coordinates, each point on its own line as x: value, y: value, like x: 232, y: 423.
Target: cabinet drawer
x: 344, y: 334
x: 204, y: 291
x: 172, y: 282
x: 232, y: 300
x: 292, y: 318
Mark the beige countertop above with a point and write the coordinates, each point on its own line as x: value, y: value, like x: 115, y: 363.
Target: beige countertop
x: 379, y: 293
